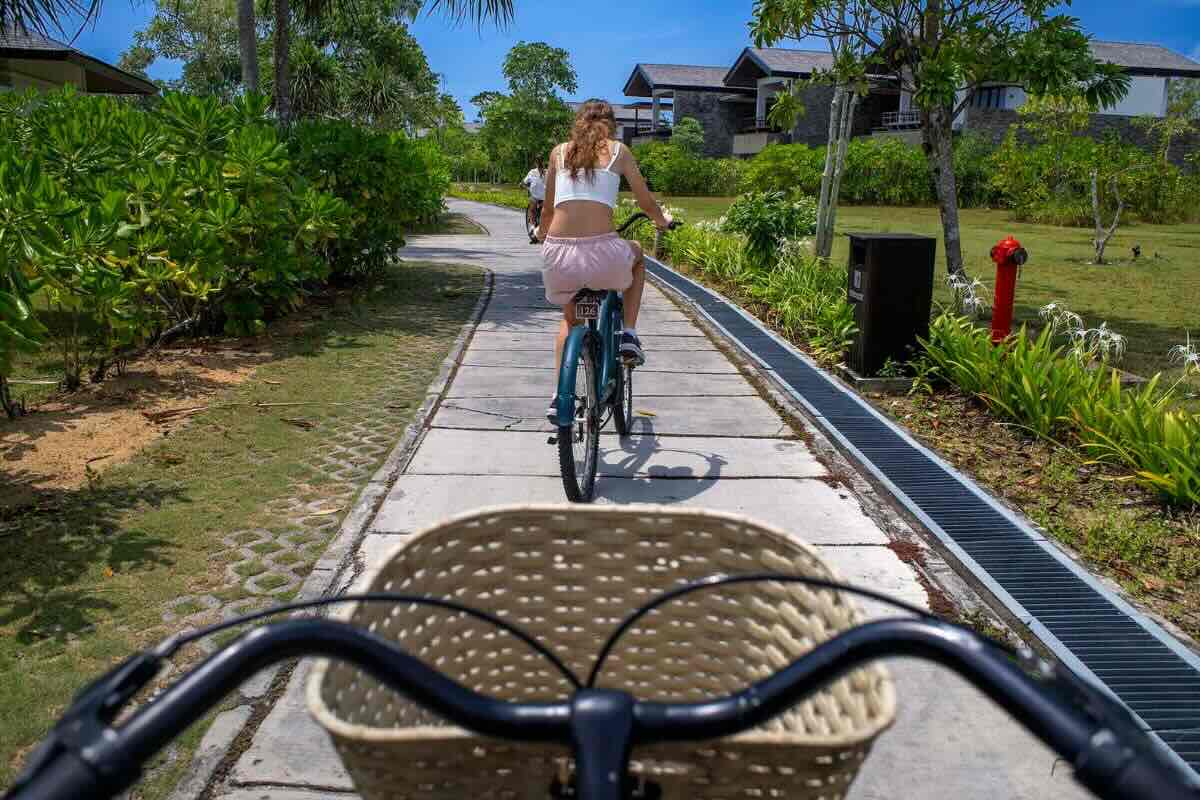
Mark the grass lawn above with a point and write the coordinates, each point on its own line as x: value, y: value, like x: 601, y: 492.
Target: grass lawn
x: 1155, y: 302
x: 90, y: 574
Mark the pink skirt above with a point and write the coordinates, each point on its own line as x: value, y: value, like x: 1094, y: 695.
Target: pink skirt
x: 586, y: 262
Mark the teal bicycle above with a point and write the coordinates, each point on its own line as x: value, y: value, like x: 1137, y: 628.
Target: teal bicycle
x: 594, y: 385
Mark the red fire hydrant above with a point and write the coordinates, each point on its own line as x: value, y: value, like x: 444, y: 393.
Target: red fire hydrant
x: 1009, y: 256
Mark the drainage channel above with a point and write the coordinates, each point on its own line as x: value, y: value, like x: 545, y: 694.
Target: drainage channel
x: 1087, y: 626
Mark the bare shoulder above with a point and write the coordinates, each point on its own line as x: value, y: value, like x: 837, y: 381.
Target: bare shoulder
x: 624, y: 154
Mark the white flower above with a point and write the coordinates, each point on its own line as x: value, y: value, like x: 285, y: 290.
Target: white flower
x: 970, y: 296
x: 1061, y: 320
x: 1101, y: 343
x: 1186, y: 354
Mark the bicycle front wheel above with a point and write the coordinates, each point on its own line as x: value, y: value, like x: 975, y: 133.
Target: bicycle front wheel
x: 579, y: 442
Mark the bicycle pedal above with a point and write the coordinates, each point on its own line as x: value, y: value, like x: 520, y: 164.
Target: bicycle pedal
x: 552, y: 440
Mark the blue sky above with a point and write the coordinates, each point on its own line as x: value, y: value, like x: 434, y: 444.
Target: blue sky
x: 607, y: 38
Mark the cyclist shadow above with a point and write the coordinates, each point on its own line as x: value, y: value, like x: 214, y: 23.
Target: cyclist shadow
x: 636, y: 480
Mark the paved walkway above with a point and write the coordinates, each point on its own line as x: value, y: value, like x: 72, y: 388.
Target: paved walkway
x: 710, y: 440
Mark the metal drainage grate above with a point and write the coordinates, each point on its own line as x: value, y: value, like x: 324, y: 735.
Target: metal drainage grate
x: 1088, y: 627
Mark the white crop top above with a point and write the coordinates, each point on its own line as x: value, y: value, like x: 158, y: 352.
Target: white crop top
x: 602, y: 188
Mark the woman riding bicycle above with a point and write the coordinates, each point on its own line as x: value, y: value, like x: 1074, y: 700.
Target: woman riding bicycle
x: 582, y: 249
x: 535, y: 182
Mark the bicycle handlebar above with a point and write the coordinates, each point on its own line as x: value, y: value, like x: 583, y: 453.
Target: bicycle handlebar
x: 85, y: 756
x: 642, y: 215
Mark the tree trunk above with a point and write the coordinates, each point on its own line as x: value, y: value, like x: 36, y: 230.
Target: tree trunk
x: 1102, y: 235
x: 248, y: 44
x: 835, y: 113
x: 6, y: 403
x: 283, y: 88
x: 846, y: 126
x: 939, y: 152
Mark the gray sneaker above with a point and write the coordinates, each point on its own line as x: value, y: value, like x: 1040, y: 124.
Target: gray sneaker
x: 631, y: 350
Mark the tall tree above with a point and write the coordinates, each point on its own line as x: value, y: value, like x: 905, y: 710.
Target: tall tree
x: 941, y: 52
x: 283, y: 86
x: 248, y: 44
x: 312, y: 11
x: 532, y: 118
x: 200, y: 33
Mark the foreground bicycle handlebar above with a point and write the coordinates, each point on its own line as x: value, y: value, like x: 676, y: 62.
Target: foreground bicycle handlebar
x: 86, y: 756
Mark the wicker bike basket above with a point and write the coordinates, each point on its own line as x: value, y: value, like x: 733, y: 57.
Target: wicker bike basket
x: 568, y: 575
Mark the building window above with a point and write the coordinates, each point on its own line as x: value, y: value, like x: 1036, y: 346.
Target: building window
x: 989, y: 97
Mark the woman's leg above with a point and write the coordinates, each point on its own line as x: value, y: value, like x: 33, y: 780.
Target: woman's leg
x: 632, y: 297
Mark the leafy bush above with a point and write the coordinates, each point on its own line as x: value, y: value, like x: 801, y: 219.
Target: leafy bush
x: 688, y: 136
x: 187, y: 215
x: 671, y: 170
x: 786, y: 168
x: 391, y: 182
x: 767, y: 219
x: 803, y: 296
x: 1050, y: 183
x: 879, y: 171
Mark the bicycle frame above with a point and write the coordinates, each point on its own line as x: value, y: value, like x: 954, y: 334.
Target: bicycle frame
x: 606, y: 328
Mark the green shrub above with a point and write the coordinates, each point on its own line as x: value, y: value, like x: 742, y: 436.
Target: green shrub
x: 189, y: 214
x: 688, y: 136
x: 671, y: 170
x: 767, y: 219
x: 802, y: 295
x: 390, y: 182
x: 786, y: 168
x: 1051, y: 183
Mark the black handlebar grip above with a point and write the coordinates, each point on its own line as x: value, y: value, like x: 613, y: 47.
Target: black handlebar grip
x: 67, y: 777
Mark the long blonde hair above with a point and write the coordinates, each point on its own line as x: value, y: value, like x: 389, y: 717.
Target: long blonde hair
x: 594, y: 125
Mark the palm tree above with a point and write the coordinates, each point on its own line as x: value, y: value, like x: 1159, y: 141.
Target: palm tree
x: 498, y: 11
x: 248, y: 44
x: 41, y: 16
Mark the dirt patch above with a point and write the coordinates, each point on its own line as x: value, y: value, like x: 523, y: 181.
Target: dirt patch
x: 73, y: 438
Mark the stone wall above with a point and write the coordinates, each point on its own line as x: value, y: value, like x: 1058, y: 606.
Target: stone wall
x: 812, y: 128
x: 719, y: 120
x: 996, y: 123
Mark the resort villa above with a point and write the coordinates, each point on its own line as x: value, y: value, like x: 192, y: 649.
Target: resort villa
x: 732, y: 103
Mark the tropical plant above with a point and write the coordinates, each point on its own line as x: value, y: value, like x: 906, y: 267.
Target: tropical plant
x: 532, y: 118
x: 768, y: 219
x: 134, y: 225
x: 688, y: 136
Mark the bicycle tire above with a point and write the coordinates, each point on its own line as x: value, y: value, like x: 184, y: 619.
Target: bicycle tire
x: 623, y: 400
x: 579, y: 475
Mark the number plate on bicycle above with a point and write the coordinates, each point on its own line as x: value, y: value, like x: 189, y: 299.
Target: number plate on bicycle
x: 587, y: 310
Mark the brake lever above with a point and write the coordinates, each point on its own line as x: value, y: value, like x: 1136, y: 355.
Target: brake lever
x: 84, y: 729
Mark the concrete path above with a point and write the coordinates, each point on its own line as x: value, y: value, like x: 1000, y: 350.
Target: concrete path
x: 710, y: 440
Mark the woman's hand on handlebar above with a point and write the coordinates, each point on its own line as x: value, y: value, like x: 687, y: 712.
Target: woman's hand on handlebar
x: 666, y: 222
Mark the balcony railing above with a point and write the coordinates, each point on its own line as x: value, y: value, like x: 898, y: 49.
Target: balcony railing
x: 900, y: 120
x: 755, y: 124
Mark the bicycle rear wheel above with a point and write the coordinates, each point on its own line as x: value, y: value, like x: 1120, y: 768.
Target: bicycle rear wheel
x: 623, y: 400
x: 579, y: 442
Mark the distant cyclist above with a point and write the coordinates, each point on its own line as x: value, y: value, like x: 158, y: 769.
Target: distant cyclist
x: 582, y: 249
x: 535, y: 182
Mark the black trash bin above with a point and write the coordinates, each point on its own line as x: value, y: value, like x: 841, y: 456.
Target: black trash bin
x: 890, y: 286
